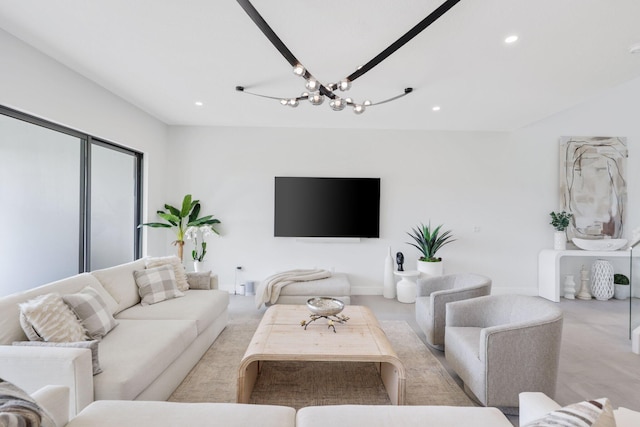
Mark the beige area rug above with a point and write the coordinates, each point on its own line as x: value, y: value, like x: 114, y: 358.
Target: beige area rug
x: 300, y: 384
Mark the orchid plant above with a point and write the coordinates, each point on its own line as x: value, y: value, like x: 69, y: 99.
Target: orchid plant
x: 192, y: 234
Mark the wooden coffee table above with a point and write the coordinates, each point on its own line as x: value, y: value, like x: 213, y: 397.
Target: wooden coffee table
x: 361, y: 339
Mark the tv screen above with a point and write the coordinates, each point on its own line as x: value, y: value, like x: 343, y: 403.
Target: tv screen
x: 327, y: 207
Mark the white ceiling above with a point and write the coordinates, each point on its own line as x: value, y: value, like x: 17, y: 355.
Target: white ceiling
x: 163, y: 55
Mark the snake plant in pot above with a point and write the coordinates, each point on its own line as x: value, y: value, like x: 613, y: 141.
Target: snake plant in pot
x: 181, y: 219
x: 429, y: 241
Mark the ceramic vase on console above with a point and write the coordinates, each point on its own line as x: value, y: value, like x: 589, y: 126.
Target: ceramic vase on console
x: 602, y: 280
x: 198, y: 266
x: 389, y: 289
x: 569, y: 287
x: 431, y: 269
x: 560, y: 241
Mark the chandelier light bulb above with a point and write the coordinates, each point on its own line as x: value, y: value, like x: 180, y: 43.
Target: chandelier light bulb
x: 316, y: 98
x: 344, y: 85
x: 284, y: 101
x: 312, y: 84
x: 299, y: 70
x: 366, y: 103
x: 349, y: 101
x: 293, y: 102
x: 337, y: 104
x: 358, y: 109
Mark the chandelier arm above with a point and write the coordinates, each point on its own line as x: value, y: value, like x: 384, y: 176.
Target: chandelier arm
x: 242, y: 89
x: 407, y: 91
x: 417, y: 29
x: 268, y: 32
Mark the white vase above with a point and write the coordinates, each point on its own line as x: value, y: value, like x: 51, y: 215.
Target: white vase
x: 198, y: 266
x: 389, y: 289
x: 560, y: 241
x: 569, y: 287
x: 431, y: 269
x: 602, y: 280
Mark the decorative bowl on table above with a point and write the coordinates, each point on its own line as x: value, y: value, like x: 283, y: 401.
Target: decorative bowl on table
x: 325, y: 306
x: 600, y: 244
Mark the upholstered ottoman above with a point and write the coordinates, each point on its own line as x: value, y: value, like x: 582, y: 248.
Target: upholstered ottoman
x: 336, y: 286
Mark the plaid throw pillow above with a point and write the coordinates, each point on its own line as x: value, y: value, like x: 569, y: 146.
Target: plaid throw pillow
x: 92, y: 311
x: 200, y: 280
x: 590, y: 413
x: 156, y: 284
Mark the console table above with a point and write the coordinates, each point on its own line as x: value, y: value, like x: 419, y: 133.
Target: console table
x: 549, y: 261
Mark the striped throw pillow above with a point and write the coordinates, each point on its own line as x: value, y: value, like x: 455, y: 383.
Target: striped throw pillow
x: 590, y: 413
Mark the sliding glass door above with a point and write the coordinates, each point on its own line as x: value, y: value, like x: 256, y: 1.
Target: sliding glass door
x: 69, y: 202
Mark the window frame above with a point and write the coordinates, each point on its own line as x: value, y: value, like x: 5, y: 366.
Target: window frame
x: 86, y: 142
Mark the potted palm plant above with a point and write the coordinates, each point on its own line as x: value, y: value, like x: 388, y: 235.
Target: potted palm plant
x: 181, y: 219
x: 429, y: 241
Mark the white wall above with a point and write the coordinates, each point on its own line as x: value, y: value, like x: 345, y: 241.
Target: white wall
x: 36, y: 84
x: 502, y: 184
x: 453, y: 178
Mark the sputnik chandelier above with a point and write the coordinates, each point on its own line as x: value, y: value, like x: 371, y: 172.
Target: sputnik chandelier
x: 316, y: 91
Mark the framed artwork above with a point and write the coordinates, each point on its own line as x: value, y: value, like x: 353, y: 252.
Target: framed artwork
x: 593, y: 185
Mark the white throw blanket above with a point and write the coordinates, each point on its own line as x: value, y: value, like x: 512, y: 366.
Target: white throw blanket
x: 269, y: 290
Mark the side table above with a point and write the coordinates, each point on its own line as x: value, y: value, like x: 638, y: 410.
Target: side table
x: 407, y: 286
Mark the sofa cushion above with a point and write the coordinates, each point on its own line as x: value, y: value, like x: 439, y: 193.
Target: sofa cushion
x: 156, y: 285
x: 589, y: 413
x: 10, y: 329
x: 135, y: 353
x: 92, y: 311
x: 204, y: 307
x: 119, y: 282
x: 91, y: 345
x: 48, y: 318
x: 176, y: 264
x: 136, y: 414
x: 17, y: 408
x: 393, y: 416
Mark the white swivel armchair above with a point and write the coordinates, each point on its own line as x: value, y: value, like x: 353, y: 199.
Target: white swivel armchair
x: 502, y: 345
x: 435, y: 292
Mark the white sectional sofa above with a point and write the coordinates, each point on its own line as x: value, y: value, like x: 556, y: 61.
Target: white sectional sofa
x: 145, y: 357
x: 533, y: 406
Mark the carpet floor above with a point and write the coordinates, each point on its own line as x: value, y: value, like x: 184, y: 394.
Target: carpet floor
x: 300, y: 384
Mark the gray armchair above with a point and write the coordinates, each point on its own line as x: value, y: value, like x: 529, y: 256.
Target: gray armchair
x: 435, y: 292
x: 502, y: 345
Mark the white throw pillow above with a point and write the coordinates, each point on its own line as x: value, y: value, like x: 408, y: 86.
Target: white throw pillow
x: 156, y: 284
x: 589, y: 413
x: 92, y: 311
x: 178, y: 269
x: 48, y: 318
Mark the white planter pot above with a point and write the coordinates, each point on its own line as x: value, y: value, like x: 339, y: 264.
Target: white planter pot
x: 560, y: 241
x: 198, y: 266
x: 431, y: 269
x: 621, y: 291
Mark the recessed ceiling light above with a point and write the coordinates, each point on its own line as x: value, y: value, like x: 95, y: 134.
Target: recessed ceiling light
x: 511, y: 39
x: 199, y: 103
x: 436, y: 108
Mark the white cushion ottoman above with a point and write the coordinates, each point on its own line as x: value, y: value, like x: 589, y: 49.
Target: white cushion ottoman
x: 336, y: 286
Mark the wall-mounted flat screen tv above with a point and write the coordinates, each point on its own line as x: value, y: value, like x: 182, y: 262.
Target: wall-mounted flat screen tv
x: 327, y: 207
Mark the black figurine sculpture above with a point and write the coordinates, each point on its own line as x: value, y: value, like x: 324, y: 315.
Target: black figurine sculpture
x: 400, y: 261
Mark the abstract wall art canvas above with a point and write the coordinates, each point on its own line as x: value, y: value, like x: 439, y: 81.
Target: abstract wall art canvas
x: 593, y: 185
